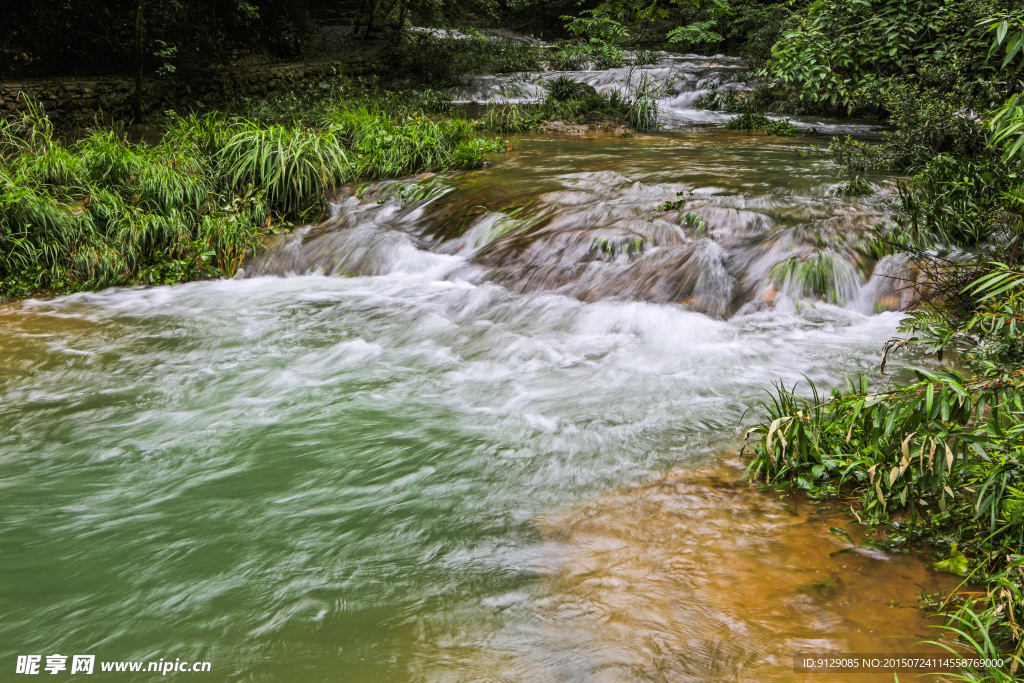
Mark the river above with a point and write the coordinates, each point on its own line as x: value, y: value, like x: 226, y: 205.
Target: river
x: 479, y: 428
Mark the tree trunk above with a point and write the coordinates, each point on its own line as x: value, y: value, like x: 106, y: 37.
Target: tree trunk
x: 402, y: 16
x: 140, y: 58
x: 371, y: 19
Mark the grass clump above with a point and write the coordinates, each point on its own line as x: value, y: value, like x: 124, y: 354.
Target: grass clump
x: 387, y: 146
x: 807, y: 275
x: 508, y: 118
x: 383, y: 133
x: 759, y: 123
x: 642, y: 107
x: 564, y: 88
x: 296, y: 167
x: 571, y: 101
x: 646, y: 57
x: 855, y: 186
x: 102, y: 212
x: 700, y: 225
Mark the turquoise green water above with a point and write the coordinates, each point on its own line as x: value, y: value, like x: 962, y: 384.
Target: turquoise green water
x: 327, y: 478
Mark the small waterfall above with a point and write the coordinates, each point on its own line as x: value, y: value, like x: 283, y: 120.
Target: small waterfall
x: 896, y: 284
x: 600, y: 235
x: 374, y: 233
x: 681, y: 80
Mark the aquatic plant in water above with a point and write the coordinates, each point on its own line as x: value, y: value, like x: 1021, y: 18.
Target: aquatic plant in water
x: 759, y: 123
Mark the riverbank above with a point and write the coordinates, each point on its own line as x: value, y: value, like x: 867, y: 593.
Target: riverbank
x: 101, y: 211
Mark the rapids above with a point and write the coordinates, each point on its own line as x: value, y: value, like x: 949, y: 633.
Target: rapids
x: 678, y: 80
x: 428, y: 439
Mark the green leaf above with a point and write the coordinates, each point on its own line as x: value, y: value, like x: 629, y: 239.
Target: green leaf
x: 956, y: 564
x: 841, y: 533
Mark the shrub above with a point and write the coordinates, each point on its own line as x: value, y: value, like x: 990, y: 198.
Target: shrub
x: 941, y: 114
x: 761, y: 123
x: 568, y: 57
x: 832, y: 55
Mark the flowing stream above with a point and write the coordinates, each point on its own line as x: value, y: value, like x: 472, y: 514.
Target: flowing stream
x: 469, y: 428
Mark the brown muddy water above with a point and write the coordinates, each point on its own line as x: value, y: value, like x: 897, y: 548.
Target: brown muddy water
x: 468, y: 428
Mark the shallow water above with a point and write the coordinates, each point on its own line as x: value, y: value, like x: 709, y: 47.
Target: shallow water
x: 450, y: 464
x: 320, y: 472
x: 696, y: 576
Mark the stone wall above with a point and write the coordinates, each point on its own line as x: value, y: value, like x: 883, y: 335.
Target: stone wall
x: 77, y: 102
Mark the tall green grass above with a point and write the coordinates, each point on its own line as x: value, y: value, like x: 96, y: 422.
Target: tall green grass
x: 295, y: 166
x: 565, y: 87
x: 101, y: 211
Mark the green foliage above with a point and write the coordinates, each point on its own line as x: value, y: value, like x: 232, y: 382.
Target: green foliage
x: 760, y: 123
x: 1008, y: 127
x: 954, y: 204
x: 384, y: 147
x: 938, y: 114
x: 642, y: 105
x: 409, y: 194
x: 603, y: 35
x: 1007, y: 122
x: 295, y: 166
x: 1009, y: 34
x: 812, y: 275
x: 645, y: 57
x: 565, y: 88
x: 956, y: 563
x: 746, y: 27
x: 698, y: 223
x: 833, y: 55
x: 104, y: 212
x: 510, y: 118
x: 570, y: 56
x: 115, y: 213
x: 856, y: 186
x: 971, y: 630
x: 49, y: 38
x: 443, y: 60
x: 613, y: 247
x: 383, y: 133
x: 676, y: 204
x: 568, y: 101
x: 696, y: 34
